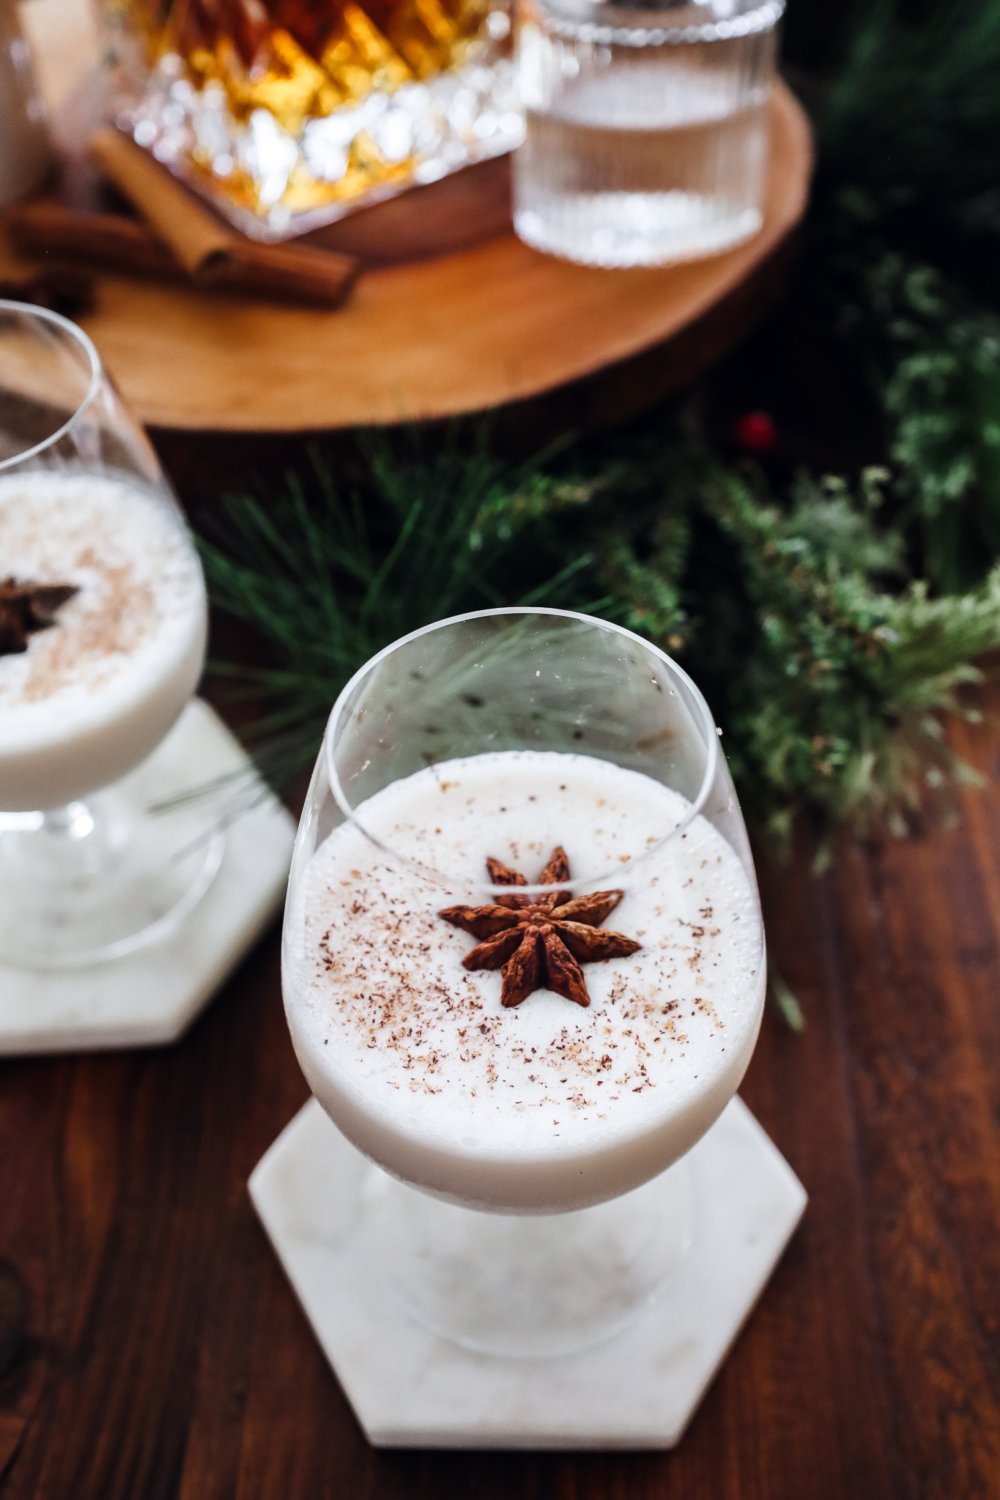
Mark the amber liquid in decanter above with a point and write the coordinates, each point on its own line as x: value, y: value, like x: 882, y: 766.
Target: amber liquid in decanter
x: 289, y: 113
x: 303, y: 58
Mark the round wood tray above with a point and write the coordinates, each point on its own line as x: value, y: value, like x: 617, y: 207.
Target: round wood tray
x: 482, y: 326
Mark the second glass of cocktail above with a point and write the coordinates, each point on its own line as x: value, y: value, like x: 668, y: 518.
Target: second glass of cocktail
x: 103, y: 623
x: 523, y: 968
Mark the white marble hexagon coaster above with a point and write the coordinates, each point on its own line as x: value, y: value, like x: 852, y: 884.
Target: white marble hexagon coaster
x: 410, y: 1388
x: 152, y: 996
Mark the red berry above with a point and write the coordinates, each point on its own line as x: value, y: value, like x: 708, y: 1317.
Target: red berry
x: 756, y: 432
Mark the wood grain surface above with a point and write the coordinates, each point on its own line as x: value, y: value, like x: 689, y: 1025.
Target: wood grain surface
x: 151, y: 1349
x: 481, y: 327
x: 485, y: 325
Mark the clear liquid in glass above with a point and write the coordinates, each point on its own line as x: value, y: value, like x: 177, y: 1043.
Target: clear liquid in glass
x: 641, y: 147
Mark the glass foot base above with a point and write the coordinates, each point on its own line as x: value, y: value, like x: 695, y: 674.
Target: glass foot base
x: 102, y: 879
x: 150, y: 996
x: 523, y: 1285
x: 637, y: 1389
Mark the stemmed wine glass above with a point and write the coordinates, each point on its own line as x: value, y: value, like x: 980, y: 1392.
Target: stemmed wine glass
x: 103, y: 621
x: 523, y: 968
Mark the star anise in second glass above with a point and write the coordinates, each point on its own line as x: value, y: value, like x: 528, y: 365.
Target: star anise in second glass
x: 540, y: 942
x: 26, y: 608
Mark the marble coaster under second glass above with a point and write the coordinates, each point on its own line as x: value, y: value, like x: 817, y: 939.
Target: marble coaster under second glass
x: 410, y: 1387
x: 151, y: 996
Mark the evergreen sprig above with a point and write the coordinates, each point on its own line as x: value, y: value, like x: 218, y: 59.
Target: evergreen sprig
x: 327, y: 578
x: 826, y: 667
x: 832, y: 619
x: 930, y: 358
x: 910, y: 109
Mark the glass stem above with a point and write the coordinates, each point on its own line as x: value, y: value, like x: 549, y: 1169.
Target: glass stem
x: 66, y: 845
x: 75, y: 822
x: 527, y: 1286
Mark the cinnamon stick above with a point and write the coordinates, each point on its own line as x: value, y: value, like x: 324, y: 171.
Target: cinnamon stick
x: 113, y: 243
x: 194, y: 236
x: 109, y: 241
x: 210, y: 252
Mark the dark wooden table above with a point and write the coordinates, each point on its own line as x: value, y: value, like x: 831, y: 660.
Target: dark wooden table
x: 151, y: 1348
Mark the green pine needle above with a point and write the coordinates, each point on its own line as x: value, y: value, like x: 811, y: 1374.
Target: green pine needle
x: 833, y: 620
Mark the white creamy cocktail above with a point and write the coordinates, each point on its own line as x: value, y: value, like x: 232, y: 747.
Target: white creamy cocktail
x: 524, y: 971
x: 546, y: 1104
x: 523, y: 968
x: 92, y: 694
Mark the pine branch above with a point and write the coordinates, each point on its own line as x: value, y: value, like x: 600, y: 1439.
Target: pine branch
x: 326, y: 581
x: 832, y: 620
x: 911, y: 111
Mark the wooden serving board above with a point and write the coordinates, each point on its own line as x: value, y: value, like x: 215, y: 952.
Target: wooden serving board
x: 429, y: 335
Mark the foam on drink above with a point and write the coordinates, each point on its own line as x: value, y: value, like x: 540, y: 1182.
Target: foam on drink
x: 95, y: 693
x: 547, y: 1105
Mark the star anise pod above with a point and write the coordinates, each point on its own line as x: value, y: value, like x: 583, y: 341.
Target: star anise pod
x: 540, y: 942
x: 26, y: 608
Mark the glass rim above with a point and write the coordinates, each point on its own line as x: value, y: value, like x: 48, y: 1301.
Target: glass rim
x: 631, y: 23
x: 83, y: 341
x: 487, y: 887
